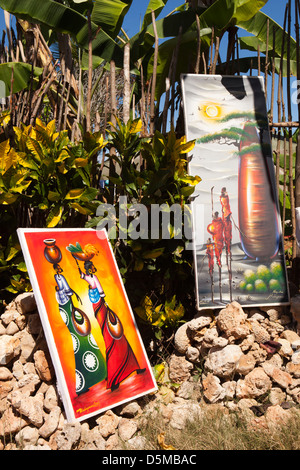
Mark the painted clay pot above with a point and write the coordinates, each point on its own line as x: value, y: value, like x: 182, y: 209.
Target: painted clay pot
x: 52, y: 252
x: 81, y: 256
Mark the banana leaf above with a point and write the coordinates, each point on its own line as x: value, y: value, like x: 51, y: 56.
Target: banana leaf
x: 258, y: 27
x: 251, y: 43
x: 245, y: 64
x: 66, y: 20
x: 246, y: 9
x: 156, y: 6
x: 109, y: 14
x: 21, y: 77
x: 220, y: 15
x: 167, y: 27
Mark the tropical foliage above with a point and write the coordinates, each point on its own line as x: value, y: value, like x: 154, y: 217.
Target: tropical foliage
x: 155, y: 265
x: 45, y: 181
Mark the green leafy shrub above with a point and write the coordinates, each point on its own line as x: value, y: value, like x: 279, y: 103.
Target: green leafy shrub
x: 45, y: 181
x: 157, y: 270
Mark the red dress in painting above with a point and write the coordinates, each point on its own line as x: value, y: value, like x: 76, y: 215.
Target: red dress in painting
x: 226, y: 217
x: 120, y: 359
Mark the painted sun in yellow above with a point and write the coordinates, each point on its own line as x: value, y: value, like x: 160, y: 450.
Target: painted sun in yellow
x: 211, y: 111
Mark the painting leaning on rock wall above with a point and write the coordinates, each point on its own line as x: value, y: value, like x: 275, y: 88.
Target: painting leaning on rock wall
x: 97, y: 353
x: 238, y: 244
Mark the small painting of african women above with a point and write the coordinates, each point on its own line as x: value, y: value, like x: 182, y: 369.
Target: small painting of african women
x: 95, y: 346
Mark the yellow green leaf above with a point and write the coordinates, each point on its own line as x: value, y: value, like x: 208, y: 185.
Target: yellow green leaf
x: 136, y: 126
x: 34, y: 146
x: 53, y: 196
x: 8, y: 198
x: 153, y: 253
x: 192, y: 180
x: 26, y: 163
x: 16, y: 284
x: 144, y: 310
x: 187, y: 147
x: 12, y: 253
x: 81, y: 162
x: 39, y: 123
x: 54, y: 217
x: 18, y: 133
x: 62, y: 168
x: 138, y: 265
x: 159, y: 372
x: 54, y: 136
x: 22, y: 267
x: 75, y: 193
x: 62, y: 156
x: 82, y: 210
x: 4, y: 118
x: 50, y: 128
x: 21, y: 186
x: 7, y: 156
x: 174, y: 314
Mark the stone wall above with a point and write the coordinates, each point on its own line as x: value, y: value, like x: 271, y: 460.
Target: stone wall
x: 246, y: 359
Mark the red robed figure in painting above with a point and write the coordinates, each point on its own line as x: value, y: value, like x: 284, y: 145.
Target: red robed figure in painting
x: 226, y: 217
x: 216, y: 230
x: 120, y: 358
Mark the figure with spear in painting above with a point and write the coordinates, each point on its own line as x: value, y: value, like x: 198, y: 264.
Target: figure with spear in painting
x: 227, y: 224
x: 216, y: 230
x: 120, y: 358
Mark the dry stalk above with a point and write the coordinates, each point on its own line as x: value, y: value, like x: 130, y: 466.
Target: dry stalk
x: 126, y: 94
x: 152, y: 98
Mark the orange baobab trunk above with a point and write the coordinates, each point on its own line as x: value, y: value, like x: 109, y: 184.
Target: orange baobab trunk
x: 258, y: 220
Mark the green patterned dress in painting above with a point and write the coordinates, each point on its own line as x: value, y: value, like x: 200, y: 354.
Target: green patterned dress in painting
x: 90, y: 365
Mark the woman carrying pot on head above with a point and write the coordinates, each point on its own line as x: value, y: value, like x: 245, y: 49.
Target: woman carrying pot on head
x: 90, y: 366
x: 120, y: 358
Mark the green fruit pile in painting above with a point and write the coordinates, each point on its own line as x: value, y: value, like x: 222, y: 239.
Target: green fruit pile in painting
x: 264, y: 279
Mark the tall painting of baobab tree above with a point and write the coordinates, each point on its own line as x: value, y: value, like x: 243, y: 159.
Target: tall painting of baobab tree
x: 238, y: 244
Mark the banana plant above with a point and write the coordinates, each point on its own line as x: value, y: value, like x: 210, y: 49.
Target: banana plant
x: 179, y: 29
x: 151, y: 263
x: 107, y: 17
x: 71, y: 18
x: 18, y: 75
